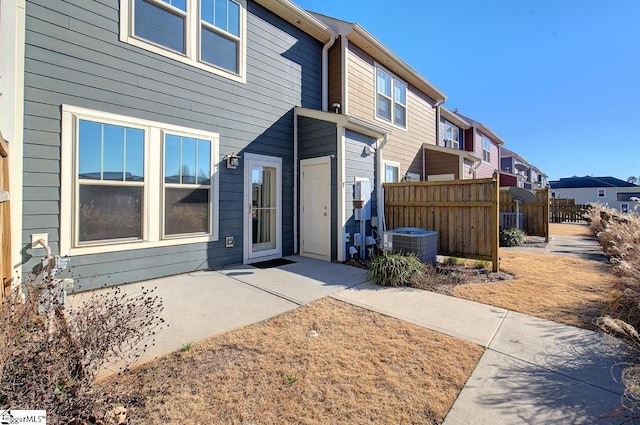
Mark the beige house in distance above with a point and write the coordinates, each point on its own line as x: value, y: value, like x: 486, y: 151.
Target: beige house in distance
x: 368, y: 81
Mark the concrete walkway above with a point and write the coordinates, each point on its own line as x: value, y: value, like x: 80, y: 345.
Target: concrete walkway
x: 533, y: 371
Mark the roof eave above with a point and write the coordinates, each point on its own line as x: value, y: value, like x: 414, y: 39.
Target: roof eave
x: 300, y: 18
x: 454, y: 118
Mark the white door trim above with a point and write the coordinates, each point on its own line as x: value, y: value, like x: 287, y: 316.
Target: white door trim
x: 270, y: 161
x: 326, y: 161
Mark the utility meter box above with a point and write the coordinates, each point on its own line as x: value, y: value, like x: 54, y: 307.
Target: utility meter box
x: 362, y: 191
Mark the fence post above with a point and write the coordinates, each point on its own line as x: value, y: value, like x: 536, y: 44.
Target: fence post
x: 547, y: 213
x: 5, y: 224
x: 495, y: 220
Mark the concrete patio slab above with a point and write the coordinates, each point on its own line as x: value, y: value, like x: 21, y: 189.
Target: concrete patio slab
x: 202, y: 304
x: 580, y: 354
x: 464, y: 319
x: 301, y: 282
x: 507, y: 391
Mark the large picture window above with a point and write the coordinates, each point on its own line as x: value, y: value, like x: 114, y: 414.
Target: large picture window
x: 110, y: 181
x: 187, y: 184
x: 208, y: 34
x: 129, y: 183
x: 391, y: 98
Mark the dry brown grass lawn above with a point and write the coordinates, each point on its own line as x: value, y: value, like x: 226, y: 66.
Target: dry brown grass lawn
x: 559, y: 288
x: 566, y: 229
x: 361, y: 368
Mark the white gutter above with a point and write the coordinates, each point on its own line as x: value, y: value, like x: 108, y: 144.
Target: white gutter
x: 345, y: 75
x: 424, y: 159
x: 295, y: 180
x: 325, y: 73
x: 381, y: 223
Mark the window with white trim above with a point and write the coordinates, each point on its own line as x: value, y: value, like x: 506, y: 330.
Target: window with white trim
x: 451, y: 138
x: 486, y: 149
x: 129, y: 183
x: 391, y: 98
x: 624, y: 207
x: 602, y: 193
x: 391, y: 172
x: 208, y: 34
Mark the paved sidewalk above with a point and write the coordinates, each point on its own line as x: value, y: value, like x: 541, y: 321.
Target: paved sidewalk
x: 534, y: 371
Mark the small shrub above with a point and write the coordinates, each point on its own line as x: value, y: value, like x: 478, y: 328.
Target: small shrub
x: 512, y: 237
x: 481, y: 264
x: 50, y: 357
x: 395, y: 269
x: 186, y: 347
x: 455, y: 261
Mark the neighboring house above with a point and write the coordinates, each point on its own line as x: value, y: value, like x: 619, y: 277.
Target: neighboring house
x: 448, y: 159
x: 383, y: 113
x: 517, y: 171
x: 481, y: 141
x: 610, y: 191
x: 371, y: 83
x: 154, y: 141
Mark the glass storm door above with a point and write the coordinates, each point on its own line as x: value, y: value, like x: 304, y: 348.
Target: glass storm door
x: 263, y: 188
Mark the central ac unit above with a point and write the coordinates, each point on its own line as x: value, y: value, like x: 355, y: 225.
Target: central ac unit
x: 423, y: 243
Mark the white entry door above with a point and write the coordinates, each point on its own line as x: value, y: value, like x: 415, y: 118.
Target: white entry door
x: 315, y: 206
x: 263, y: 208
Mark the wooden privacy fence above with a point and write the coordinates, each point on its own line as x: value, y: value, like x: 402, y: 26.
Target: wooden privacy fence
x: 5, y: 224
x: 536, y: 214
x: 463, y: 212
x: 567, y: 211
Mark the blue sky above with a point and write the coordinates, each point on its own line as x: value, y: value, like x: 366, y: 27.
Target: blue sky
x: 557, y: 80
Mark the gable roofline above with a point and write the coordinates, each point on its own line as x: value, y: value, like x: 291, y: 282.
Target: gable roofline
x: 576, y: 182
x: 507, y: 153
x: 357, y: 34
x: 454, y: 118
x: 483, y: 128
x: 300, y: 18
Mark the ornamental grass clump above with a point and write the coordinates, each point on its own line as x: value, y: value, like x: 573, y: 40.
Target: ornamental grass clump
x: 396, y: 269
x: 619, y: 235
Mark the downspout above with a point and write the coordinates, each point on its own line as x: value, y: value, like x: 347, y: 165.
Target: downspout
x: 381, y: 222
x: 295, y: 180
x: 424, y: 160
x: 345, y: 74
x: 325, y: 73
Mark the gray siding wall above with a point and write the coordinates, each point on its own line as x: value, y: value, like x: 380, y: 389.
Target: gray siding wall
x: 74, y: 56
x: 318, y: 138
x: 359, y: 164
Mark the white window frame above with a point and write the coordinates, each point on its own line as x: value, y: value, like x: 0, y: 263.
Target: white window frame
x: 486, y: 153
x: 394, y: 79
x: 624, y: 207
x: 450, y: 142
x: 153, y: 197
x: 394, y: 164
x: 602, y: 193
x: 192, y: 38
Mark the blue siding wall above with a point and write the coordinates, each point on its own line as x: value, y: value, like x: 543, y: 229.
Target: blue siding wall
x: 359, y: 164
x: 318, y: 138
x: 74, y: 57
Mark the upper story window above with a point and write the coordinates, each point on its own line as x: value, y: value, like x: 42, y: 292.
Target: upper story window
x: 208, y: 34
x: 486, y: 149
x: 391, y: 98
x: 451, y: 135
x: 391, y: 172
x: 602, y: 193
